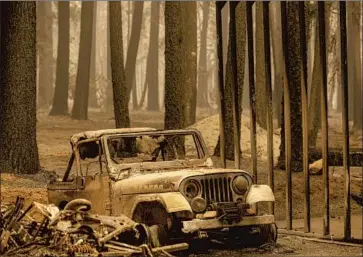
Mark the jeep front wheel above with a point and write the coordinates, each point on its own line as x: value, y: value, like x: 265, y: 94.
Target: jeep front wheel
x: 254, y: 236
x: 154, y: 215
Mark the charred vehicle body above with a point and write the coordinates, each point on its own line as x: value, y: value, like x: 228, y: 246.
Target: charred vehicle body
x: 166, y: 180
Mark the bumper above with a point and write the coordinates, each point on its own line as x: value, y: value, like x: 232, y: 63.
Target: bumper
x: 195, y: 225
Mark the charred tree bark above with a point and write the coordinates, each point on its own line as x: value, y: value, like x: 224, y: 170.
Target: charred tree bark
x: 109, y: 90
x: 353, y: 56
x: 152, y: 68
x: 18, y: 148
x: 80, y: 107
x: 225, y: 32
x: 93, y: 71
x: 49, y: 47
x: 293, y: 71
x: 202, y: 67
x: 120, y: 87
x: 315, y: 91
x: 60, y: 98
x: 241, y: 53
x: 189, y: 25
x: 261, y: 106
x: 354, y: 62
x: 338, y: 61
x: 339, y: 88
x: 174, y: 68
x: 277, y: 57
x: 45, y: 53
x: 132, y: 50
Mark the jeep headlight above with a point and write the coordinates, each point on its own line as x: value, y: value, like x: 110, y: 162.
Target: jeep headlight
x: 240, y: 185
x: 192, y: 189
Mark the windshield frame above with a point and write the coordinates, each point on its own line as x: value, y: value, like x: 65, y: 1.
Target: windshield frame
x: 128, y: 167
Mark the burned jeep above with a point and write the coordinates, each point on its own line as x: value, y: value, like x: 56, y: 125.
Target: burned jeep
x: 166, y: 180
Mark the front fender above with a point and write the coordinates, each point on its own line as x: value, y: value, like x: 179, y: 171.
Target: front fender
x: 172, y: 201
x: 260, y: 193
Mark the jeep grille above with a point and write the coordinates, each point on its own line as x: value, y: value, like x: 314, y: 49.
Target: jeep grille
x: 217, y: 190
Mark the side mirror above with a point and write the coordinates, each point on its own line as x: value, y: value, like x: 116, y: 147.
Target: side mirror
x: 80, y: 182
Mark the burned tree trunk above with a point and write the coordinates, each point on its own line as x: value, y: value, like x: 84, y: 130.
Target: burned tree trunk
x: 120, y: 87
x: 133, y: 48
x: 261, y: 106
x: 352, y: 33
x: 80, y: 107
x: 180, y: 64
x: 109, y: 97
x: 18, y: 148
x: 314, y: 96
x: 60, y: 98
x: 277, y: 57
x: 174, y: 68
x: 152, y: 69
x: 355, y: 62
x: 228, y: 96
x: 202, y: 66
x: 93, y: 71
x: 189, y: 24
x: 293, y: 70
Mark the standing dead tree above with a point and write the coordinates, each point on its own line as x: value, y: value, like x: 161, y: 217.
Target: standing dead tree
x: 277, y: 56
x: 354, y: 62
x: 293, y: 73
x: 133, y: 47
x: 80, y: 107
x: 202, y: 66
x: 315, y: 91
x: 174, y: 70
x: 261, y: 107
x: 189, y: 25
x: 60, y: 98
x: 93, y: 66
x: 18, y: 148
x: 152, y: 66
x: 119, y: 85
x: 180, y: 64
x: 228, y: 96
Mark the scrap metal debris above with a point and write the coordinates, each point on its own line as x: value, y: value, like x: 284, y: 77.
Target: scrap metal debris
x: 74, y: 231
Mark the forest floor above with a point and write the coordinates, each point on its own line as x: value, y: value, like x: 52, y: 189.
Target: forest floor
x: 53, y: 134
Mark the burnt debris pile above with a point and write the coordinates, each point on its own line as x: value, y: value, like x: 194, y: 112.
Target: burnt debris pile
x: 74, y: 231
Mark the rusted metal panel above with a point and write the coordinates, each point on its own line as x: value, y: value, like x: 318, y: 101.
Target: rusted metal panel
x: 345, y: 121
x: 324, y: 115
x: 251, y: 79
x: 219, y: 6
x: 304, y: 110
x: 287, y: 120
x: 266, y: 37
x: 235, y: 87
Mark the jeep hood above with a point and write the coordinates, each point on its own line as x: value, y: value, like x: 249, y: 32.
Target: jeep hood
x: 166, y: 181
